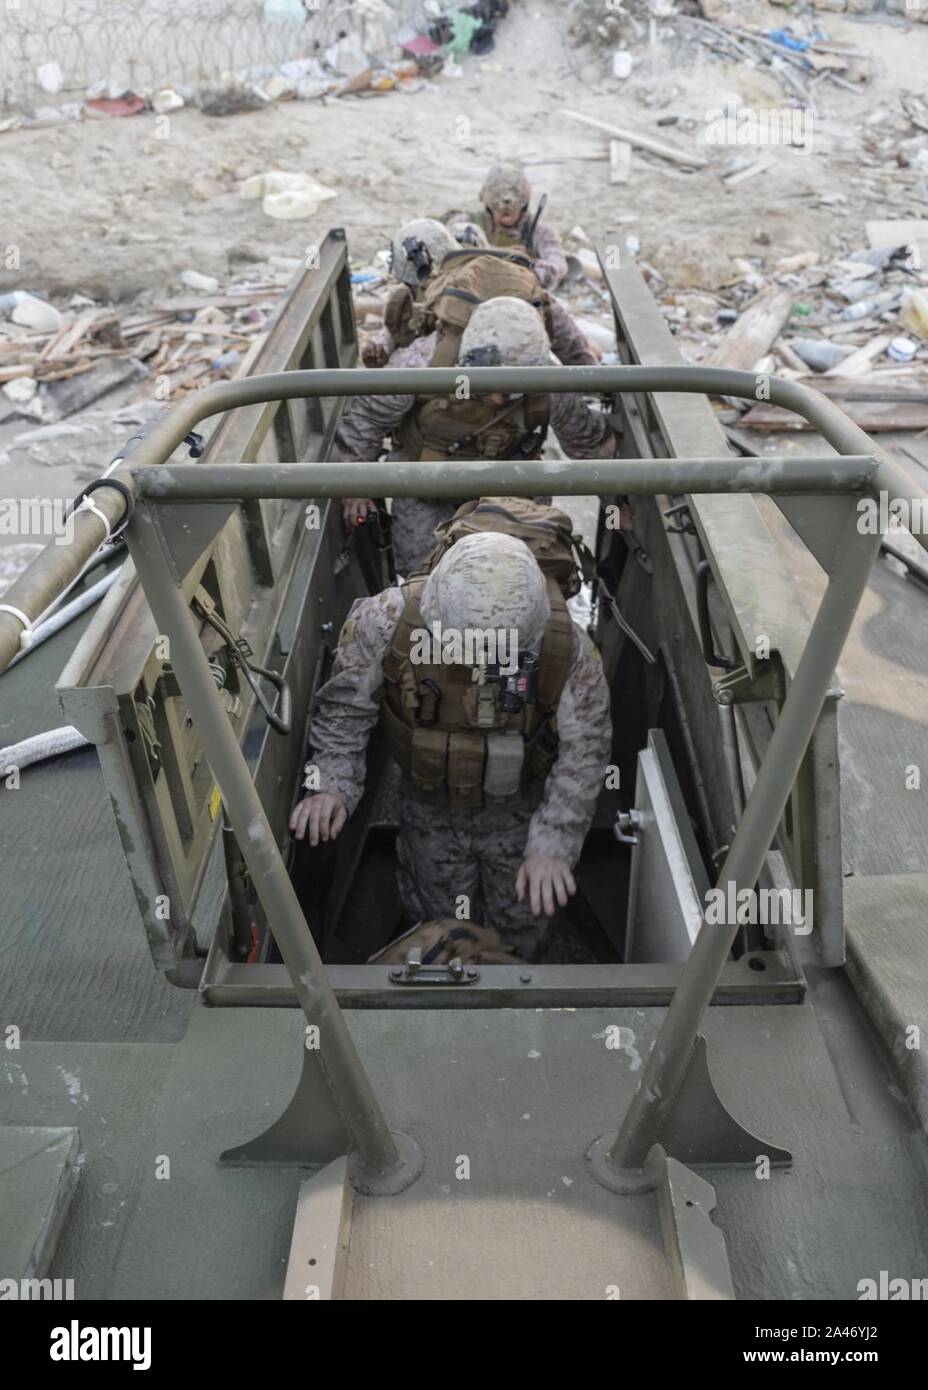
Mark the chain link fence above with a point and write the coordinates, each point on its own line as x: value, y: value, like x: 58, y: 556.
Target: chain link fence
x: 55, y: 51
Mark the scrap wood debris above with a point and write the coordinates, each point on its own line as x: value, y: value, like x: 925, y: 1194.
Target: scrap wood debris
x: 855, y: 324
x: 54, y: 362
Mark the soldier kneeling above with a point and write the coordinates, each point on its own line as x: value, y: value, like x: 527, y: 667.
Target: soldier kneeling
x: 494, y: 704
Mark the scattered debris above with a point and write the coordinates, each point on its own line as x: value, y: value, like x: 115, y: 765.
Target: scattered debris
x: 756, y: 330
x: 127, y: 105
x: 640, y: 141
x: 287, y: 196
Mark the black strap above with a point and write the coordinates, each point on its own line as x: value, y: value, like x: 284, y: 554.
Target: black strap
x: 128, y: 498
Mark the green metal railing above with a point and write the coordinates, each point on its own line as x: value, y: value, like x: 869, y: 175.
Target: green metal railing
x: 858, y: 469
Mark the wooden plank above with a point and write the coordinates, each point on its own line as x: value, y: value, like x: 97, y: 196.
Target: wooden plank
x: 875, y: 416
x: 860, y: 361
x: 760, y: 166
x: 321, y: 1230
x: 642, y: 142
x: 755, y: 331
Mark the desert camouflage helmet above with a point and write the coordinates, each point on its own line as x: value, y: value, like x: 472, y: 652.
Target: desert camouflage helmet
x: 513, y: 327
x: 419, y: 249
x: 468, y: 234
x: 489, y: 581
x: 506, y: 188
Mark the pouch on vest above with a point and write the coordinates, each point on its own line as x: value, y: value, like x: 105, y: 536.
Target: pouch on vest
x: 502, y: 776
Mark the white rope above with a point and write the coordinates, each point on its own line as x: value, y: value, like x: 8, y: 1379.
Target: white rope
x: 33, y: 750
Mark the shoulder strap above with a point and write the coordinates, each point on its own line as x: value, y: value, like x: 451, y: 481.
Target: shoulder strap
x: 396, y: 662
x: 557, y: 650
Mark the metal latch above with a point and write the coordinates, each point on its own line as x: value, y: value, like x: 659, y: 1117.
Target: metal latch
x: 415, y: 973
x: 625, y: 822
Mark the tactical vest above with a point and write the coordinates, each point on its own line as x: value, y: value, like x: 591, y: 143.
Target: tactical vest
x: 439, y: 428
x: 514, y: 238
x: 447, y: 732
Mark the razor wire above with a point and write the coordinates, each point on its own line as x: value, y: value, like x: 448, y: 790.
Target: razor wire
x: 53, y: 52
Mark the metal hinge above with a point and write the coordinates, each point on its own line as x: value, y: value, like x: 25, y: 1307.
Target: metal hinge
x: 738, y: 687
x: 415, y: 973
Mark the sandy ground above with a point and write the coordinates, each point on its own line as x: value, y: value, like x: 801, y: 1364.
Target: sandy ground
x: 110, y: 209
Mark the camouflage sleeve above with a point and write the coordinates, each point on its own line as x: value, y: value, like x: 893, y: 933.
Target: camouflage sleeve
x: 370, y: 419
x: 583, y: 433
x: 568, y: 342
x: 584, y: 725
x: 348, y: 705
x: 551, y: 265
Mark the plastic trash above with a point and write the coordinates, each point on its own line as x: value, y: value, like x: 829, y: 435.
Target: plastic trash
x: 819, y: 353
x: 863, y: 308
x: 902, y: 349
x: 622, y: 63
x: 463, y: 28
x: 788, y: 40
x: 32, y: 312
x: 21, y: 389
x: 49, y: 78
x: 292, y: 204
x: 914, y: 313
x: 195, y: 281
x: 166, y: 100
x: 226, y: 360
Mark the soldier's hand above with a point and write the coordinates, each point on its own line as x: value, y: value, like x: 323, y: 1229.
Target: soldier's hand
x: 373, y: 354
x: 545, y: 878
x: 318, y: 817
x: 355, y: 510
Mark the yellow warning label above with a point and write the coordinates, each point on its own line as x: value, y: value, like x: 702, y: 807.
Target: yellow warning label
x: 215, y: 801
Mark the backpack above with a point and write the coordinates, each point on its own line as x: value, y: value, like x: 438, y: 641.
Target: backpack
x: 470, y: 277
x: 547, y: 531
x: 445, y: 939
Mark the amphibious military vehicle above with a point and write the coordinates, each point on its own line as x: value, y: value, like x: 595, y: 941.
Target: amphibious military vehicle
x: 208, y: 1090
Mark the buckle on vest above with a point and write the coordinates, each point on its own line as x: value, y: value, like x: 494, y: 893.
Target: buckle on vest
x: 486, y: 707
x: 429, y: 700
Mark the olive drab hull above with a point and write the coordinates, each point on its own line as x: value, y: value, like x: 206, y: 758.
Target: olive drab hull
x: 223, y: 1068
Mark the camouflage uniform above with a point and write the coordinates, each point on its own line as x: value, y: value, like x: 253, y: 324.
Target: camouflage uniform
x: 583, y: 433
x: 550, y: 261
x: 444, y: 853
